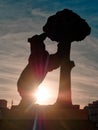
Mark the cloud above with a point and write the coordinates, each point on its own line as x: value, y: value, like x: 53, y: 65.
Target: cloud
x: 15, y: 9
x: 85, y: 74
x: 40, y: 13
x: 16, y: 26
x: 86, y: 51
x: 42, y: 0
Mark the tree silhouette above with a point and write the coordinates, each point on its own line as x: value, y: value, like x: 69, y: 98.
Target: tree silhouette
x: 65, y: 27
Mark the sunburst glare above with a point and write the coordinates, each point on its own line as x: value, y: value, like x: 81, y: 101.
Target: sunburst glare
x: 42, y: 95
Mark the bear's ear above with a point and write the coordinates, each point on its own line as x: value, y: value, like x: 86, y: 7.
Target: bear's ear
x: 28, y: 40
x: 37, y: 38
x: 33, y: 39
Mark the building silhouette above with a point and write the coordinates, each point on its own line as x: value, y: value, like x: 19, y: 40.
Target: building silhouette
x: 49, y: 117
x: 93, y: 112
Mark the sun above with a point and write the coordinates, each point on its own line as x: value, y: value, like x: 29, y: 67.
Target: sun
x: 42, y: 95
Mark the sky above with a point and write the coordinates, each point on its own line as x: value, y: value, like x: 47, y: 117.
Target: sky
x: 21, y: 19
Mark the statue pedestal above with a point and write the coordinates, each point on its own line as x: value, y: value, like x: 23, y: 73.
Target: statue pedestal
x: 47, y: 118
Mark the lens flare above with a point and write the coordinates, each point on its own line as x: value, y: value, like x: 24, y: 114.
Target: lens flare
x: 42, y: 95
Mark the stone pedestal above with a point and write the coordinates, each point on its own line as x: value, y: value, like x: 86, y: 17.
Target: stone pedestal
x: 47, y: 118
